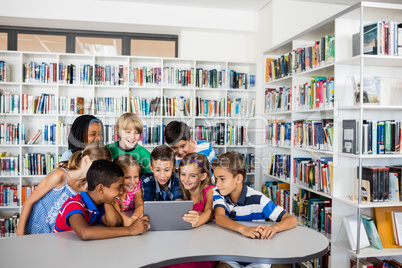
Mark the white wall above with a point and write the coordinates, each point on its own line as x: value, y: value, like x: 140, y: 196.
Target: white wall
x: 292, y: 17
x: 217, y: 45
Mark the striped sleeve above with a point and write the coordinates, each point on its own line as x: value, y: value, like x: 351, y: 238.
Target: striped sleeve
x: 206, y: 149
x: 270, y: 210
x: 218, y: 200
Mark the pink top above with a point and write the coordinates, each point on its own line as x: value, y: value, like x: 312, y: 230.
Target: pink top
x: 129, y: 202
x: 200, y: 206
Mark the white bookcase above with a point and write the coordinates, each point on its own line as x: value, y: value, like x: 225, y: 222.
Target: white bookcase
x: 343, y: 26
x: 17, y: 85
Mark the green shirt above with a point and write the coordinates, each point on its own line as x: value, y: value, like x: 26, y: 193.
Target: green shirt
x: 142, y: 155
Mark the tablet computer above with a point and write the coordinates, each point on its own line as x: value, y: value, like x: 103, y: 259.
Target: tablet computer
x: 167, y: 215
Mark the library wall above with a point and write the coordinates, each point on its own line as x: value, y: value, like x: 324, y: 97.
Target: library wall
x: 217, y: 45
x: 292, y: 17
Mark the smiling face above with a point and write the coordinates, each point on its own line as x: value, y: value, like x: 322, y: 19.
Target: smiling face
x: 128, y: 138
x: 94, y: 132
x: 113, y: 192
x: 131, y: 178
x: 162, y: 170
x: 191, y: 177
x: 182, y: 148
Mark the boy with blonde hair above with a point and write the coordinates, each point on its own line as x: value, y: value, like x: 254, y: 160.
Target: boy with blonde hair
x: 129, y: 129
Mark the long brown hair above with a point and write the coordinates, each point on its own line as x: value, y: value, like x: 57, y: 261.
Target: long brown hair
x: 202, y: 164
x: 94, y: 150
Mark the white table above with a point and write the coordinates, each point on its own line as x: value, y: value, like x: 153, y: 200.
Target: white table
x: 158, y: 248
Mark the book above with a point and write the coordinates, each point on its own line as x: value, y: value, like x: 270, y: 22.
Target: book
x: 350, y: 223
x: 372, y: 232
x: 397, y: 227
x: 362, y: 263
x: 393, y: 187
x: 383, y: 219
x: 35, y: 137
x: 350, y: 135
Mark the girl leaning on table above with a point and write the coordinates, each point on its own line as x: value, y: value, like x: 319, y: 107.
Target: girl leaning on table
x: 131, y: 199
x: 195, y: 182
x: 39, y: 212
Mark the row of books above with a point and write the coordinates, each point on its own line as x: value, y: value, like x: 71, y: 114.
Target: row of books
x: 9, y: 103
x: 213, y: 134
x: 316, y: 135
x: 379, y: 137
x: 38, y: 163
x: 317, y: 94
x: 144, y: 106
x: 176, y: 77
x: 301, y: 59
x: 109, y: 105
x: 45, y: 73
x: 381, y: 183
x: 9, y: 166
x: 9, y: 133
x: 43, y: 104
x: 153, y: 135
x: 249, y: 159
x: 8, y: 225
x: 8, y: 195
x: 380, y: 38
x: 210, y: 78
x: 210, y: 108
x: 237, y: 80
x: 374, y: 262
x: 278, y: 192
x: 241, y: 107
x: 144, y: 76
x: 278, y: 133
x: 76, y: 74
x: 316, y: 174
x: 26, y: 191
x: 313, y: 211
x: 177, y: 106
x: 236, y: 135
x: 109, y: 75
x: 278, y: 99
x: 4, y: 71
x: 279, y: 166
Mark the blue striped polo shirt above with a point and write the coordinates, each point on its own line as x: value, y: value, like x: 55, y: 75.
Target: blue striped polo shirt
x: 202, y: 147
x: 251, y: 206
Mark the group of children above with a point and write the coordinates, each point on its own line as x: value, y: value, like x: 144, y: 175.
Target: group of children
x: 95, y: 183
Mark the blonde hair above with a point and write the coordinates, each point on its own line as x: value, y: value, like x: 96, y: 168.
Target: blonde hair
x: 129, y: 121
x: 94, y: 150
x: 201, y: 162
x: 126, y: 161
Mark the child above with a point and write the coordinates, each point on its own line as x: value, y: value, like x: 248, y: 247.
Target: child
x: 79, y: 212
x: 177, y: 135
x: 195, y: 182
x: 85, y: 129
x: 132, y: 192
x: 40, y: 210
x: 234, y: 201
x: 162, y: 184
x: 129, y: 128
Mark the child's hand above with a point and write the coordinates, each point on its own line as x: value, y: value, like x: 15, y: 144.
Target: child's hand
x: 250, y: 232
x: 139, y: 226
x: 192, y: 217
x: 266, y: 232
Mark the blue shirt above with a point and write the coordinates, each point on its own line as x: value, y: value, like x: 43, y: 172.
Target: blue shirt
x: 251, y: 206
x: 45, y: 210
x: 153, y: 191
x: 202, y: 147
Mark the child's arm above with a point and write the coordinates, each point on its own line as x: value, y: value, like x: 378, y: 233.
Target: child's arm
x: 139, y: 204
x: 287, y: 222
x: 112, y: 217
x: 54, y: 180
x: 225, y: 222
x: 195, y: 218
x: 86, y: 232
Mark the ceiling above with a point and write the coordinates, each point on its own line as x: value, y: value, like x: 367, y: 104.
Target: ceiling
x: 250, y: 5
